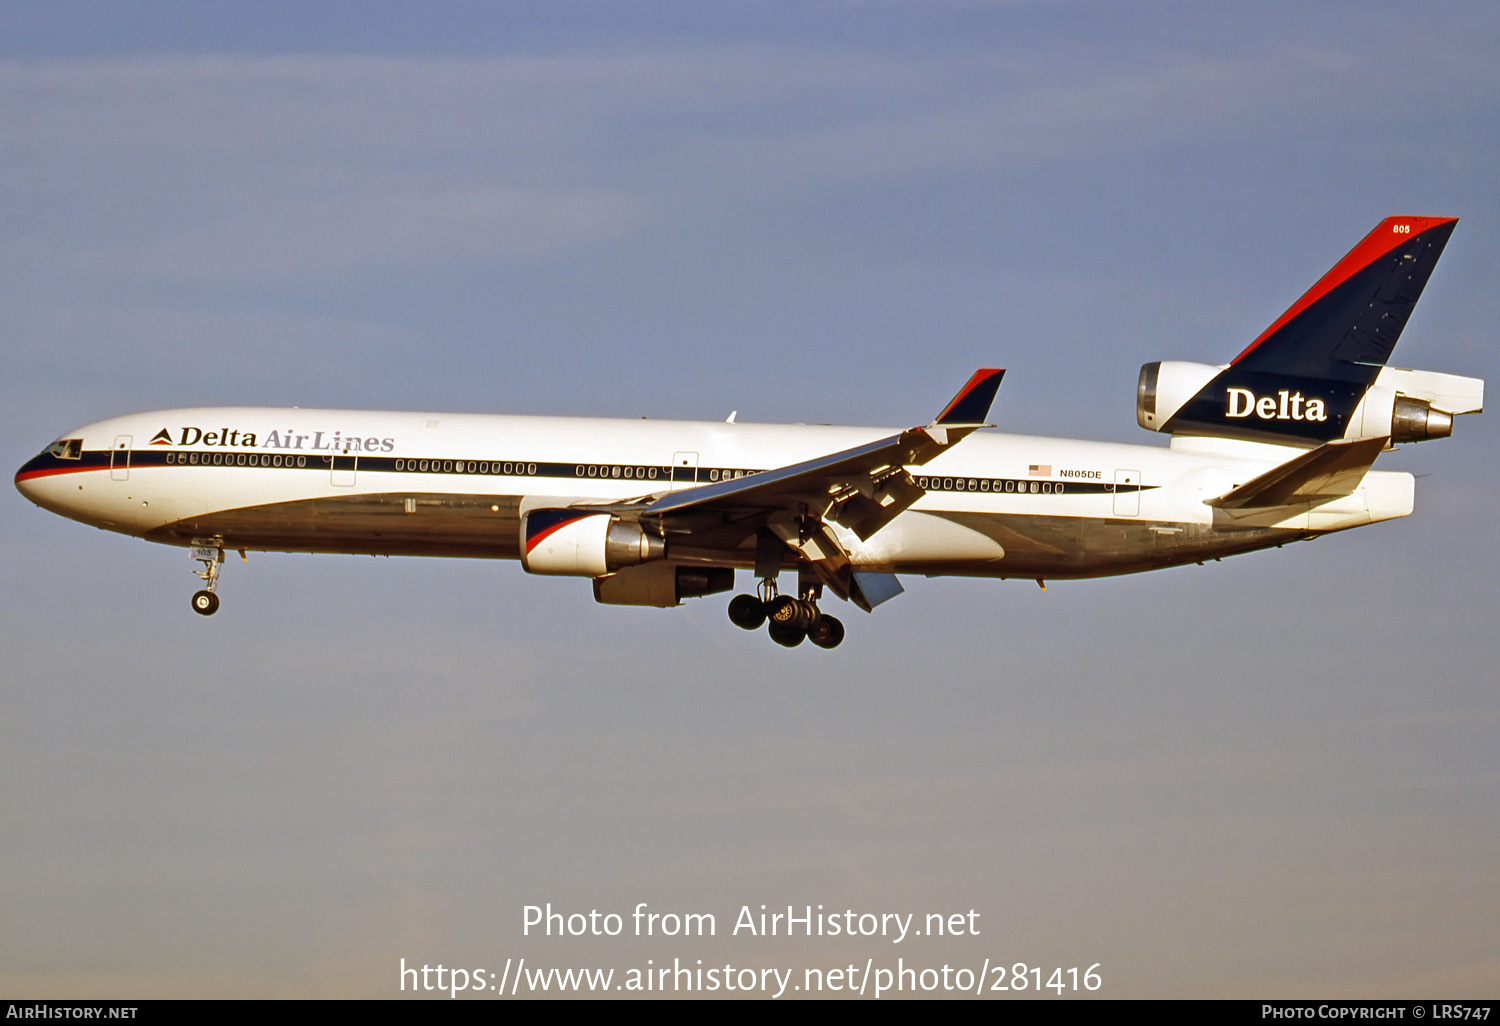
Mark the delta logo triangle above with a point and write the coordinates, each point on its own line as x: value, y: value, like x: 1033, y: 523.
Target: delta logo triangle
x: 162, y: 437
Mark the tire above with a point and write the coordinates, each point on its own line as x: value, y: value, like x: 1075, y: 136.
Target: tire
x: 747, y: 611
x: 782, y: 609
x: 205, y: 603
x: 809, y: 611
x: 786, y: 636
x: 826, y: 632
x: 790, y: 612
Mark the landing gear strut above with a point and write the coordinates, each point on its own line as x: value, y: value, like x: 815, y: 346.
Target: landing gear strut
x: 788, y: 620
x: 206, y: 602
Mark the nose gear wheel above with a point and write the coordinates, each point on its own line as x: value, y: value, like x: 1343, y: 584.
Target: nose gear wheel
x: 206, y: 601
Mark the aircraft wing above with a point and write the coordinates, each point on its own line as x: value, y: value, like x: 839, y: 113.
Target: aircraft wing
x: 862, y: 489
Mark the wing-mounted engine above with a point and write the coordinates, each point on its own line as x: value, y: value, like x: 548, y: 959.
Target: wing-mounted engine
x: 626, y: 559
x: 582, y: 543
x: 661, y: 584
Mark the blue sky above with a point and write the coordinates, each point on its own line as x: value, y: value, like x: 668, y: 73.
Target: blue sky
x: 1271, y: 775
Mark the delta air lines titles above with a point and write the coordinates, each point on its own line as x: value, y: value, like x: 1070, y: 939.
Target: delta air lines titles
x: 1285, y: 405
x: 315, y: 441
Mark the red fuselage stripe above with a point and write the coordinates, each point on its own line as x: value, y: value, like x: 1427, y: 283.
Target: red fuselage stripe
x: 27, y: 475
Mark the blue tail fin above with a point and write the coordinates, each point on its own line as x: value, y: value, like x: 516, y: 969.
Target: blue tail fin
x: 1305, y: 375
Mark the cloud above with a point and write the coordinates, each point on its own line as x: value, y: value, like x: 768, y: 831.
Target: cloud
x: 156, y: 354
x: 225, y: 167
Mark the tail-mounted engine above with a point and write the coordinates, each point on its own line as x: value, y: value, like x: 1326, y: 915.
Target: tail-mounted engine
x: 1318, y: 374
x: 1165, y: 387
x: 584, y: 544
x: 1227, y: 402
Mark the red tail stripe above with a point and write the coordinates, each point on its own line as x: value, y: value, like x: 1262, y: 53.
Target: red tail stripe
x: 1383, y: 240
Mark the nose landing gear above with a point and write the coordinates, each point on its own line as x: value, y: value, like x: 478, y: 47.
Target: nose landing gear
x: 788, y: 620
x: 206, y: 602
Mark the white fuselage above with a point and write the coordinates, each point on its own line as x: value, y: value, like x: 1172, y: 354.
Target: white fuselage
x: 457, y: 484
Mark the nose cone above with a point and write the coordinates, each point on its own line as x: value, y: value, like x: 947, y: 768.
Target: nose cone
x: 30, y: 473
x: 44, y: 478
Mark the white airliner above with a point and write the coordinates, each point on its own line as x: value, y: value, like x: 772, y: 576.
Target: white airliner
x: 1276, y: 446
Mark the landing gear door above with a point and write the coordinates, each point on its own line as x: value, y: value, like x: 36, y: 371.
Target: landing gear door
x: 119, y: 459
x: 684, y: 470
x: 1127, y: 493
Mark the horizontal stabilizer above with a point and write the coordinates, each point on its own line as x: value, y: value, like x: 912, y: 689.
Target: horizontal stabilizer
x: 1327, y: 472
x: 1450, y: 393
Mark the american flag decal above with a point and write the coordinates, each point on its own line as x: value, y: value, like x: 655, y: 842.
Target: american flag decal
x: 1041, y: 470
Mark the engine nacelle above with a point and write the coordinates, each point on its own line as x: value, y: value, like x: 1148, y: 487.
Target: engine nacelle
x: 1226, y: 402
x: 1427, y: 401
x: 661, y: 584
x: 584, y: 544
x: 1384, y: 412
x: 1165, y: 387
x: 1413, y: 420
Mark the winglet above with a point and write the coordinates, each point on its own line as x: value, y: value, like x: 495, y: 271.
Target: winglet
x: 972, y: 404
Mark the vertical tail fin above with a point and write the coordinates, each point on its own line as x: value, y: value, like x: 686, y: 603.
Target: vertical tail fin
x: 1346, y: 325
x: 1303, y: 378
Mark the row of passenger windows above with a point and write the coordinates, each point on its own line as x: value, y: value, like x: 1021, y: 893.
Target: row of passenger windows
x: 235, y: 459
x: 256, y: 459
x: 467, y: 467
x: 650, y: 473
x: 606, y: 470
x: 986, y: 484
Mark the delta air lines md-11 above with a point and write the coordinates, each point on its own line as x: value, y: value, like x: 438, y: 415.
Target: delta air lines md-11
x: 1276, y: 446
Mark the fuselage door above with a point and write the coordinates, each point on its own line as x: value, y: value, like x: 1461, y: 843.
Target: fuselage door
x: 119, y: 459
x: 1127, y: 493
x: 684, y: 469
x: 343, y: 466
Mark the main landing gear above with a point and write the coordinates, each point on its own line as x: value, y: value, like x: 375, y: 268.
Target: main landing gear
x: 788, y: 620
x: 206, y: 602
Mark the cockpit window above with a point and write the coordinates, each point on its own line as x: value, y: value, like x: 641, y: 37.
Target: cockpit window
x: 66, y: 448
